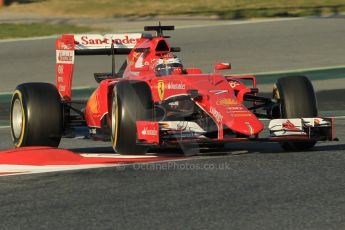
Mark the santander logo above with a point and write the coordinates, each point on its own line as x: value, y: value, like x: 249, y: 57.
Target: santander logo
x: 149, y: 132
x: 100, y: 40
x: 290, y: 126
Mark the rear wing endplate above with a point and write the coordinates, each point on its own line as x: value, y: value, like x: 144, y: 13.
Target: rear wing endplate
x: 87, y: 44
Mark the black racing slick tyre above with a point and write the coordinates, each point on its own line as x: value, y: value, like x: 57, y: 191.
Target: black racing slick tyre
x: 297, y: 99
x: 132, y: 101
x: 36, y: 115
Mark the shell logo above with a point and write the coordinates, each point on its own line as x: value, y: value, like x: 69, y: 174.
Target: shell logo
x: 317, y: 121
x: 227, y: 101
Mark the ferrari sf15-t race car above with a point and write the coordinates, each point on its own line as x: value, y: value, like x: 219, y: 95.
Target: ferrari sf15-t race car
x: 154, y: 101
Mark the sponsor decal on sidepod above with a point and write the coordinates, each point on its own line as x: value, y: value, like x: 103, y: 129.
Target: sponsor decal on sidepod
x: 227, y: 101
x: 172, y: 85
x: 216, y: 114
x: 161, y: 86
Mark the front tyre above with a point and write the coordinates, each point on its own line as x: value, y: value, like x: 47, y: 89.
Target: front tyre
x: 132, y: 101
x: 297, y: 99
x: 36, y: 115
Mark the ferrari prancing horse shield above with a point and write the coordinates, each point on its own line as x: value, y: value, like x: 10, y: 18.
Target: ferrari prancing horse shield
x: 160, y: 89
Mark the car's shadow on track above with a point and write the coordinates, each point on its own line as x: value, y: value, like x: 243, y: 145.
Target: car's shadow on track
x: 265, y: 148
x: 229, y: 149
x: 332, y: 147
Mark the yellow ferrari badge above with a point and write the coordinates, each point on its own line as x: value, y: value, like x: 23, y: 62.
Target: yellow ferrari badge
x: 160, y: 89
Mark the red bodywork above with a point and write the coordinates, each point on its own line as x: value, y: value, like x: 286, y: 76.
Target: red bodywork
x: 220, y: 97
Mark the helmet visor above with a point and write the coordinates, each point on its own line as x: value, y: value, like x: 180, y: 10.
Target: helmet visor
x: 167, y: 69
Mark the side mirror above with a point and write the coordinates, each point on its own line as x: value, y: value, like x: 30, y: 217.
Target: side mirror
x: 177, y: 71
x: 221, y: 66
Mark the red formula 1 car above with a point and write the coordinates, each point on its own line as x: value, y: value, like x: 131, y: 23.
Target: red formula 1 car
x: 155, y: 101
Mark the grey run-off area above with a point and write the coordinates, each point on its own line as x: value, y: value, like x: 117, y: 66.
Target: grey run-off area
x: 251, y: 48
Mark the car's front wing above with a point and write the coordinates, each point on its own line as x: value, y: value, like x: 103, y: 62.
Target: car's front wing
x: 280, y: 130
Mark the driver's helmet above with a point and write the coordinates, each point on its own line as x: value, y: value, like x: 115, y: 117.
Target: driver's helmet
x: 168, y: 65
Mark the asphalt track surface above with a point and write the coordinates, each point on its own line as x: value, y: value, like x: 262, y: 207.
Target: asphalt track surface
x: 260, y: 188
x: 264, y: 188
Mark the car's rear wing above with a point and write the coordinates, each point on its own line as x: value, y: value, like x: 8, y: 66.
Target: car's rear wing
x: 87, y: 44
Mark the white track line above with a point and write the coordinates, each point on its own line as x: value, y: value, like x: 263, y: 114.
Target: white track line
x: 338, y: 117
x: 29, y: 39
x: 32, y: 169
x: 216, y: 24
x: 241, y: 22
x: 98, y: 155
x: 28, y: 169
x: 85, y: 87
x: 296, y: 70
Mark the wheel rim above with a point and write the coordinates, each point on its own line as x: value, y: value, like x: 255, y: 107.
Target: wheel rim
x: 17, y: 118
x: 114, y: 121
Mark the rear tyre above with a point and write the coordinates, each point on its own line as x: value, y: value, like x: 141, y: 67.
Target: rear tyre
x: 36, y: 115
x: 132, y: 101
x: 297, y: 99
